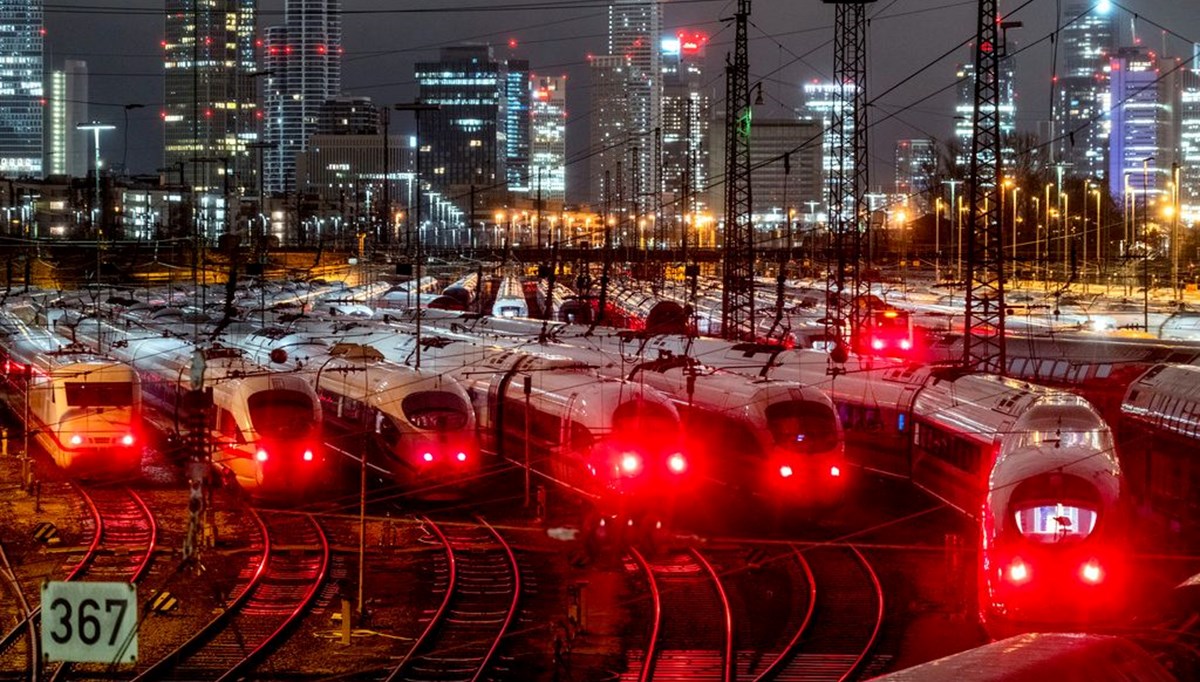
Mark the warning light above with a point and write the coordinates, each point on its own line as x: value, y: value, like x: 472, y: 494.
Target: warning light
x: 1018, y: 572
x: 127, y: 440
x: 77, y: 439
x: 677, y: 463
x: 261, y: 455
x: 631, y: 463
x: 877, y: 344
x: 835, y: 471
x: 308, y: 455
x: 462, y: 457
x: 1091, y: 572
x: 905, y: 344
x: 785, y: 471
x: 428, y: 456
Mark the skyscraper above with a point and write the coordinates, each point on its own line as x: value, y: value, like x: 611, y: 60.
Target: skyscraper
x: 685, y: 121
x: 463, y: 143
x: 548, y: 145
x: 210, y: 109
x: 964, y: 113
x: 1081, y: 121
x: 609, y: 125
x: 21, y: 37
x: 66, y: 107
x: 1189, y: 143
x: 634, y: 31
x: 1143, y: 141
x: 304, y: 58
x: 516, y: 125
x: 822, y: 103
x: 916, y: 162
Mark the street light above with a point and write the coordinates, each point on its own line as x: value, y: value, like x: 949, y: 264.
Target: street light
x: 96, y: 127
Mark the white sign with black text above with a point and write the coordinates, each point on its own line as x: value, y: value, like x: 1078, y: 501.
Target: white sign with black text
x: 89, y: 622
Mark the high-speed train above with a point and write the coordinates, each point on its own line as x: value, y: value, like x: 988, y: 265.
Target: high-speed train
x: 84, y: 409
x: 510, y: 299
x: 616, y: 443
x: 417, y: 426
x: 789, y: 445
x: 1159, y: 435
x: 264, y: 426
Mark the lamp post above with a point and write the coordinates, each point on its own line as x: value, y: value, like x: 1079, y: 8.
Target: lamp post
x: 1175, y: 287
x: 937, y: 240
x: 97, y: 210
x: 954, y: 208
x: 1015, y: 189
x: 1146, y: 244
x: 1045, y: 257
x: 125, y: 136
x: 1100, y: 229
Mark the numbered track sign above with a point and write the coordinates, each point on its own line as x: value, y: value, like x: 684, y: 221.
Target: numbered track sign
x: 89, y: 622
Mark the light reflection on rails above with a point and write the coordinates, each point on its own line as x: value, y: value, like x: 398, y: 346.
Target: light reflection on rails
x: 276, y: 593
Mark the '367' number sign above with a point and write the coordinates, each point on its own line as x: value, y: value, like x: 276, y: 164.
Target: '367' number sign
x: 89, y: 622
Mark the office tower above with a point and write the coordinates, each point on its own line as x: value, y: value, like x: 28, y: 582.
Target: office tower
x: 609, y: 126
x: 209, y: 117
x: 548, y: 143
x: 21, y: 88
x: 779, y: 187
x: 916, y: 164
x: 634, y: 31
x: 1142, y: 147
x: 66, y: 107
x: 823, y: 103
x: 348, y: 116
x: 516, y: 125
x: 304, y: 61
x: 1081, y: 121
x: 1189, y: 143
x: 964, y: 113
x: 463, y: 143
x: 686, y: 104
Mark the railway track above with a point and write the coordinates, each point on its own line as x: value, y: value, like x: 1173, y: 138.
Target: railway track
x: 124, y: 533
x: 691, y: 630
x: 274, y: 594
x: 32, y: 655
x: 483, y: 588
x: 810, y: 615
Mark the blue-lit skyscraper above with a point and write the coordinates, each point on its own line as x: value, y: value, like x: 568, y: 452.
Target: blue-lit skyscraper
x: 1144, y: 136
x: 516, y: 126
x: 21, y: 37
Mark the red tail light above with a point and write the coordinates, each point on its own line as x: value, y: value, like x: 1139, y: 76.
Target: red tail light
x: 462, y: 457
x: 1091, y: 572
x: 428, y: 457
x: 1018, y: 572
x: 631, y: 463
x: 835, y: 471
x: 127, y: 440
x: 877, y: 344
x: 905, y: 344
x: 308, y: 455
x: 677, y: 463
x: 785, y: 471
x: 261, y: 455
x: 77, y: 439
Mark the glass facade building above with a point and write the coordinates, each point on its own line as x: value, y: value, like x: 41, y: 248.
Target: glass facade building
x: 21, y: 88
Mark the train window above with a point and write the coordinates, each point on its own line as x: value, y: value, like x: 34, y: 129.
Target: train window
x: 281, y: 413
x: 1104, y: 371
x: 389, y: 433
x: 435, y: 410
x: 1060, y: 369
x: 99, y: 393
x: 1055, y: 523
x: 802, y: 426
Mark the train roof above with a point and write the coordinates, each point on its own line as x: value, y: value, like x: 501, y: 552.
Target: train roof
x: 1038, y: 657
x: 1175, y: 381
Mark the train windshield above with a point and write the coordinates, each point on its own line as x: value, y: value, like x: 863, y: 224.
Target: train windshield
x: 639, y: 419
x: 435, y: 410
x: 803, y: 426
x: 99, y: 393
x: 1050, y: 523
x: 281, y: 414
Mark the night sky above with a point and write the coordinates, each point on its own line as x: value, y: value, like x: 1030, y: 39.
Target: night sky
x: 791, y: 42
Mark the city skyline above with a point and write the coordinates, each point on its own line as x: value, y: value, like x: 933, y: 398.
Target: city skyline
x: 586, y: 30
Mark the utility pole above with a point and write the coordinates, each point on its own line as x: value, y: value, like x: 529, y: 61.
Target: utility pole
x: 983, y: 340
x: 848, y: 210
x: 417, y: 107
x: 737, y: 296
x: 197, y: 403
